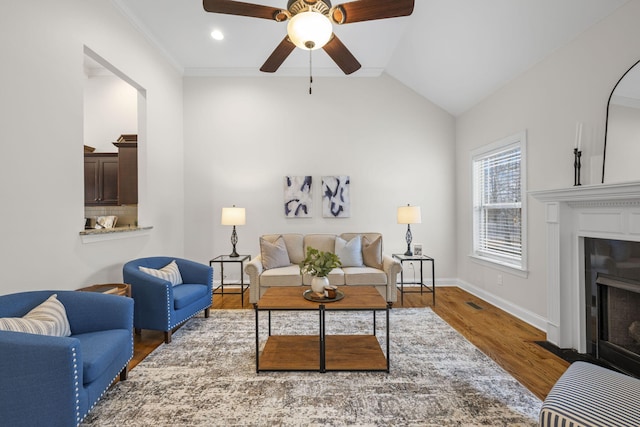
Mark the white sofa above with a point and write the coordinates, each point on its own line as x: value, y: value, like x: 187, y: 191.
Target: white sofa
x: 280, y: 255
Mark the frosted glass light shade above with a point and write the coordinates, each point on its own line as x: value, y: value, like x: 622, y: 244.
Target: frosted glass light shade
x: 233, y: 216
x: 409, y: 215
x: 309, y: 30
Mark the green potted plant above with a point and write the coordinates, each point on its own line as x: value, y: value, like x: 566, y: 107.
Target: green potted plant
x: 319, y: 264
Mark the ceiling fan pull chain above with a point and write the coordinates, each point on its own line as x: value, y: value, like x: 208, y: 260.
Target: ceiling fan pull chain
x: 310, y: 72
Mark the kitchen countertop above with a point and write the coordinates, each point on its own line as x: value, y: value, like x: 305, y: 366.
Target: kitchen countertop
x: 93, y: 231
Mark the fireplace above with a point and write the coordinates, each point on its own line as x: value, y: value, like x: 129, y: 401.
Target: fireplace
x: 612, y: 300
x: 574, y: 216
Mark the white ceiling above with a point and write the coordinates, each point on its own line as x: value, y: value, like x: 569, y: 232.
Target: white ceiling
x: 453, y: 52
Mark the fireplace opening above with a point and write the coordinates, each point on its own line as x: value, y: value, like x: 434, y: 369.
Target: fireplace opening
x: 619, y: 322
x: 612, y: 299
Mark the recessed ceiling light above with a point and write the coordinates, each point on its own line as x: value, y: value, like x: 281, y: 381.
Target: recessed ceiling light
x: 217, y: 35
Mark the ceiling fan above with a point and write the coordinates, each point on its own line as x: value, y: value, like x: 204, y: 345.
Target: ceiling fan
x: 310, y: 24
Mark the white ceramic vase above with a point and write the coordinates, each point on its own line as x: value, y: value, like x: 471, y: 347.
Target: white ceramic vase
x: 318, y: 284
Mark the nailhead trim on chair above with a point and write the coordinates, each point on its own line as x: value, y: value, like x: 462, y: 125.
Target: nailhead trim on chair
x: 194, y: 314
x: 103, y: 391
x: 75, y: 384
x: 168, y: 312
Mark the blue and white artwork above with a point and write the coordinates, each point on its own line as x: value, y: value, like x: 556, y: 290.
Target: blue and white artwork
x: 336, y: 201
x: 298, y: 200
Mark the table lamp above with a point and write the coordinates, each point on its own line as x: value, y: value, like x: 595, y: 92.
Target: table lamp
x: 233, y: 216
x: 409, y: 215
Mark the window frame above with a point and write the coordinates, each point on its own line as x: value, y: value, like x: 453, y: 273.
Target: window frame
x: 518, y: 140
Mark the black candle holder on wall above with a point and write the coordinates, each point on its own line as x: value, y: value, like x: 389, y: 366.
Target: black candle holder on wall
x: 577, y: 164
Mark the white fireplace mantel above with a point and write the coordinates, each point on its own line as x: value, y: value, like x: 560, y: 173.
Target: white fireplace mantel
x: 607, y: 211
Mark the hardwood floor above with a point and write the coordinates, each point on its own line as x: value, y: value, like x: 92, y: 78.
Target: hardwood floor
x: 501, y: 336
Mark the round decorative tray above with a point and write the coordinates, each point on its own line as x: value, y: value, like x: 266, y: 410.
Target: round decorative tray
x: 312, y: 296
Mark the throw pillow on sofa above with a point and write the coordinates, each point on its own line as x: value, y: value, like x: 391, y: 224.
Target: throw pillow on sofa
x: 170, y: 273
x: 274, y: 254
x: 49, y: 318
x: 372, y: 252
x: 350, y: 253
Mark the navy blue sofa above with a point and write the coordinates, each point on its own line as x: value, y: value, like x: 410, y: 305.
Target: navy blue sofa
x: 160, y: 306
x: 55, y: 381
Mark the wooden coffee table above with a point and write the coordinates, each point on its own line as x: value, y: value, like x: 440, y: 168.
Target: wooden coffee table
x: 322, y: 352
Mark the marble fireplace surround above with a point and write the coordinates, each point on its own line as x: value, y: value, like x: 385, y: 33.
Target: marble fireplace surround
x: 607, y: 211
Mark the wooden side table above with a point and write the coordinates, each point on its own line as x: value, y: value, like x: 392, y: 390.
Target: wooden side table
x: 121, y: 289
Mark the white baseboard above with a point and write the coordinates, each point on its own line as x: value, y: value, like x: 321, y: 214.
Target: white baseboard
x: 531, y: 318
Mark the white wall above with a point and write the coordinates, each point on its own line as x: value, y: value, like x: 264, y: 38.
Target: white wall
x: 243, y: 135
x: 41, y: 115
x: 110, y: 110
x: 572, y: 85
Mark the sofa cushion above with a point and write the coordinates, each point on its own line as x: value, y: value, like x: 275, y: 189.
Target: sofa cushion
x: 274, y: 254
x: 295, y: 247
x: 364, y: 276
x: 349, y: 252
x: 99, y: 349
x: 48, y: 318
x: 185, y: 294
x: 170, y: 273
x: 372, y: 252
x: 294, y: 243
x: 321, y: 242
x: 283, y: 276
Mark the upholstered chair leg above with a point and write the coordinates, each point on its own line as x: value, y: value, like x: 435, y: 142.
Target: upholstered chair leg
x: 138, y: 331
x: 206, y: 312
x: 124, y: 373
x: 167, y: 337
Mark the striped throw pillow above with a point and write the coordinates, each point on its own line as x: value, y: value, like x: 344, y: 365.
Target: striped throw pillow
x: 169, y: 272
x: 49, y: 318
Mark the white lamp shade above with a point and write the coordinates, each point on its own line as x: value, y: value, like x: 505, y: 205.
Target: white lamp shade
x: 409, y: 215
x: 309, y: 30
x: 233, y: 216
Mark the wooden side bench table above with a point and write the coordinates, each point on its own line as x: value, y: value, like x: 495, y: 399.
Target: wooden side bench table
x: 121, y: 289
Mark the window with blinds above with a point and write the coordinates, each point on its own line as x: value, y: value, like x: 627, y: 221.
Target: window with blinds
x: 498, y: 203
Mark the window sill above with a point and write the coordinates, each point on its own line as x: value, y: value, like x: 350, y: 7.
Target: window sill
x: 503, y: 266
x: 104, y: 234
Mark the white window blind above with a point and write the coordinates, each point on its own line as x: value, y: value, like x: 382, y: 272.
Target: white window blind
x: 498, y: 213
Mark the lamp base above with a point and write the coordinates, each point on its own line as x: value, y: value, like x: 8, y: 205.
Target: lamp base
x: 234, y: 240
x: 408, y: 238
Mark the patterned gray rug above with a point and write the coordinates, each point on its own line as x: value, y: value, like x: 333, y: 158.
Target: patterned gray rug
x: 207, y: 377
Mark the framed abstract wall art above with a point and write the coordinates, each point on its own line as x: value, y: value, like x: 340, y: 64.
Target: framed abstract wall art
x: 336, y: 200
x: 298, y: 200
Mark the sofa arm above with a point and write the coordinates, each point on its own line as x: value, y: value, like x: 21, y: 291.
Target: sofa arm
x: 253, y: 269
x: 152, y: 297
x: 94, y: 311
x: 41, y: 382
x: 195, y: 272
x: 392, y: 268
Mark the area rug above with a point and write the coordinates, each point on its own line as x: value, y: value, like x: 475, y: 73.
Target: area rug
x: 207, y: 377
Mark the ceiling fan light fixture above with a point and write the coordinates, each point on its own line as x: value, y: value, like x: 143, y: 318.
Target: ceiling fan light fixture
x: 217, y: 35
x: 309, y: 30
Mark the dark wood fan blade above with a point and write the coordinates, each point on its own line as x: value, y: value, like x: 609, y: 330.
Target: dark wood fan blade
x: 368, y: 10
x: 239, y: 8
x: 278, y: 56
x: 341, y: 55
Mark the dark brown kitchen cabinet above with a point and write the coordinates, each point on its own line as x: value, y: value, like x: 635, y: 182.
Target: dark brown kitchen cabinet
x: 127, y: 172
x: 101, y: 179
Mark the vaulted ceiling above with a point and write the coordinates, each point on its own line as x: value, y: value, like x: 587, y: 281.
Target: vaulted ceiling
x: 453, y: 52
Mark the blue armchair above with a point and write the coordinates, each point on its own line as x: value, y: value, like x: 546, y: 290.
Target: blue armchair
x: 55, y: 381
x: 161, y: 306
